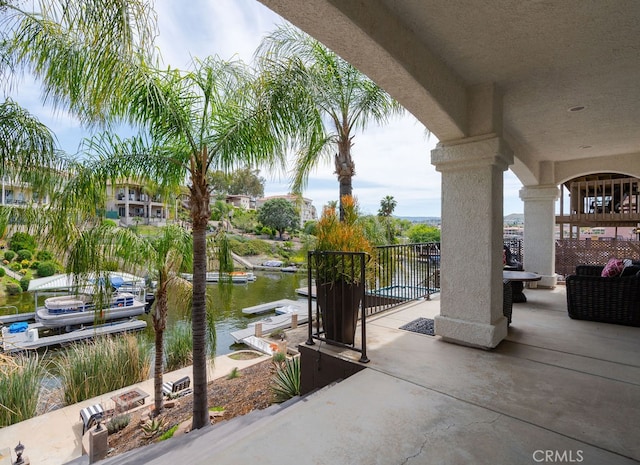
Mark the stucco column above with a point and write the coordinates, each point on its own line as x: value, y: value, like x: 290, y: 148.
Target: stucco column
x: 539, y: 232
x: 471, y: 283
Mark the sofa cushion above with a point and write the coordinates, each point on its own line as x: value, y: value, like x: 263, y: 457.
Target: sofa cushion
x: 613, y: 267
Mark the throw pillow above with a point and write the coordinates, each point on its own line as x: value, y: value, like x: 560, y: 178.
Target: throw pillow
x: 613, y: 267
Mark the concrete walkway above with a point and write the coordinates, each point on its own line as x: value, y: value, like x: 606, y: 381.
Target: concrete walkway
x: 55, y: 438
x: 556, y: 391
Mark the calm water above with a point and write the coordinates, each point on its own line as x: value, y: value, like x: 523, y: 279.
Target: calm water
x: 228, y: 302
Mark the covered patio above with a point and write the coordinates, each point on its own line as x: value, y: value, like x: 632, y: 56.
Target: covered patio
x: 555, y: 391
x: 546, y: 89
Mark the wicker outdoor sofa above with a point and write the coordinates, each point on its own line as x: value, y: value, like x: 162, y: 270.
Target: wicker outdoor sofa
x: 606, y: 299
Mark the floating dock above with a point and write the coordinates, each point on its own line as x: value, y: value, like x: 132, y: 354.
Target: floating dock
x: 305, y: 291
x: 269, y: 325
x: 8, y: 319
x: 72, y: 336
x: 270, y: 306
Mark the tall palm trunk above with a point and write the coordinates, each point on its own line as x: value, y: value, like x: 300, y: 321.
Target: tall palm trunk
x: 200, y: 218
x: 157, y: 371
x: 159, y: 326
x: 345, y: 170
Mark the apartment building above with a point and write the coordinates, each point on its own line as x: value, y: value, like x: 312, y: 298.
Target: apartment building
x: 131, y: 203
x: 14, y: 193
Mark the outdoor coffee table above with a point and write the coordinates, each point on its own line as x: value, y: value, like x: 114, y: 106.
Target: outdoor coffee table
x: 522, y: 277
x: 129, y: 399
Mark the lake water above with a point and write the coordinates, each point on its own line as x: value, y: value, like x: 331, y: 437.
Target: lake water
x: 228, y: 301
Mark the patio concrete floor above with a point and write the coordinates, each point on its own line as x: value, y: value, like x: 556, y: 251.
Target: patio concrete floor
x: 555, y: 391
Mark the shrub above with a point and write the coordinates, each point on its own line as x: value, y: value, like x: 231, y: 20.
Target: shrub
x: 9, y: 255
x: 25, y: 263
x: 169, y: 433
x: 118, y: 423
x: 15, y: 266
x: 13, y: 288
x: 24, y: 254
x: 2, y: 272
x: 24, y: 283
x: 22, y: 241
x: 46, y: 269
x: 44, y: 255
x: 234, y: 373
x: 34, y: 265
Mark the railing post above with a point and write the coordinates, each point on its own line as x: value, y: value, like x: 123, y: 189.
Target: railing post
x: 310, y: 268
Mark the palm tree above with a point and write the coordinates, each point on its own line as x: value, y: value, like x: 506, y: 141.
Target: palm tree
x: 211, y: 118
x: 26, y: 145
x: 387, y: 205
x: 164, y: 256
x: 74, y: 48
x: 173, y: 253
x: 332, y: 98
x: 71, y: 46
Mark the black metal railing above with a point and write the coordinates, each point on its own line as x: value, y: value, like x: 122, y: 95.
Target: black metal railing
x: 394, y: 275
x: 402, y: 273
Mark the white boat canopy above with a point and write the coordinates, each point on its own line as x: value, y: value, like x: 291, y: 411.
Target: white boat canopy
x: 67, y: 282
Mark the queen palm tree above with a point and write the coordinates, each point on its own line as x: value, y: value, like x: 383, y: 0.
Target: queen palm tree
x: 333, y: 99
x: 71, y: 46
x: 163, y: 256
x: 209, y: 118
x: 213, y: 117
x: 26, y: 145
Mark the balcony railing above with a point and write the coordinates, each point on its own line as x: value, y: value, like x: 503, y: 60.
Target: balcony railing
x: 396, y: 274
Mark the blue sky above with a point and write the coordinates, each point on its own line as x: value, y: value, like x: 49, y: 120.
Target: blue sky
x: 390, y: 160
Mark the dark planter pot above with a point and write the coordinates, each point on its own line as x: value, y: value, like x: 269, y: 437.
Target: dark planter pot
x: 339, y: 304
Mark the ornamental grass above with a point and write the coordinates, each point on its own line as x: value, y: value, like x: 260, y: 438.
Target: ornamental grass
x: 108, y: 363
x: 20, y: 381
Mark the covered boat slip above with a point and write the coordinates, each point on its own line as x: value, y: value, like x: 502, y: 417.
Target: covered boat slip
x: 69, y: 283
x: 17, y: 342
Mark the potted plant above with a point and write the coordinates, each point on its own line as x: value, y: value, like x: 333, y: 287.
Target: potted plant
x: 339, y: 269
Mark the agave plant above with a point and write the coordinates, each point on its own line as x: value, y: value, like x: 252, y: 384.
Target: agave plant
x: 152, y: 427
x: 286, y: 380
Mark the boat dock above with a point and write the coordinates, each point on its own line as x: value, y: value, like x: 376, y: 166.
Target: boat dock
x: 269, y: 325
x: 80, y: 334
x: 305, y: 291
x: 8, y: 319
x: 269, y: 306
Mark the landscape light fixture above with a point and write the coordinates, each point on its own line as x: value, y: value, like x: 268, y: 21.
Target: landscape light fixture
x: 98, y: 418
x: 19, y: 449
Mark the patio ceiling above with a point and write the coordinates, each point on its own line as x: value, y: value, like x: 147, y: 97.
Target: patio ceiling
x: 544, y: 57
